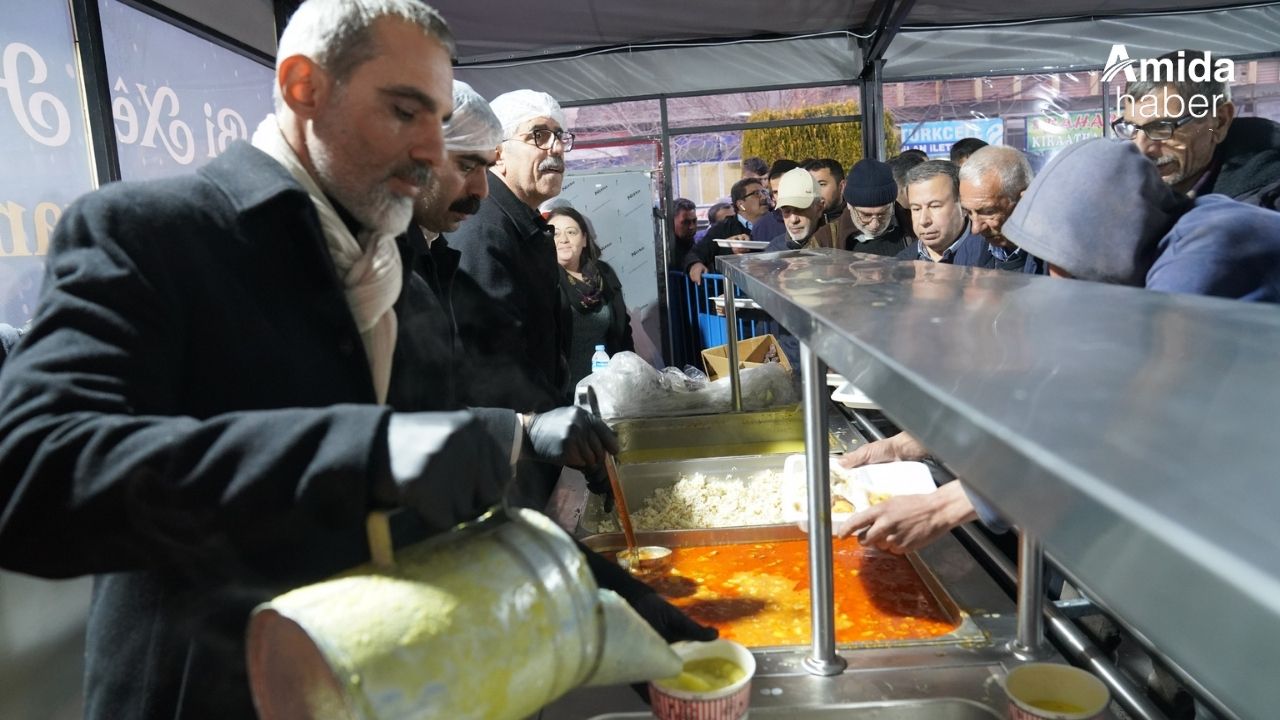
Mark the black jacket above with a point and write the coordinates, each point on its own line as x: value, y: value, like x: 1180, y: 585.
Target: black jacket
x: 1247, y: 163
x: 436, y: 265
x: 618, y: 337
x: 191, y: 418
x: 507, y: 303
x: 706, y: 250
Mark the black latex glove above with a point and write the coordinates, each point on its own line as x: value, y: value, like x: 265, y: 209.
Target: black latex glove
x: 445, y: 466
x: 598, y: 483
x: 571, y: 436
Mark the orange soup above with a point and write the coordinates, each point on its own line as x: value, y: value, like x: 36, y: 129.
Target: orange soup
x: 757, y: 594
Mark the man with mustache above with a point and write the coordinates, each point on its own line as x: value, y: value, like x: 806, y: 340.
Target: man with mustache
x: 223, y: 377
x: 1189, y: 129
x: 507, y: 290
x: 991, y: 183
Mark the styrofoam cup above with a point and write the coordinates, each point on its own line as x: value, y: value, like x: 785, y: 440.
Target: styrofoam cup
x: 729, y: 703
x: 1048, y: 691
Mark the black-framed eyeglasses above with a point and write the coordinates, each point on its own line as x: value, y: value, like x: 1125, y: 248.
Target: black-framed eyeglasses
x: 1154, y: 130
x: 543, y: 139
x: 762, y: 192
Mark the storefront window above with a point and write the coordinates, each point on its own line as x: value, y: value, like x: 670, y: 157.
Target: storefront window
x: 43, y: 145
x: 178, y: 100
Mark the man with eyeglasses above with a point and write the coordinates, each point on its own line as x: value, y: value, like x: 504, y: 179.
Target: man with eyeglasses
x: 1191, y: 132
x: 506, y: 296
x: 881, y: 225
x: 750, y: 202
x: 1157, y: 238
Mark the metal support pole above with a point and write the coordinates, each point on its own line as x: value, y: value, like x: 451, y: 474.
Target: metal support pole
x: 1030, y: 640
x: 731, y: 317
x: 666, y: 171
x: 871, y: 93
x: 823, y: 659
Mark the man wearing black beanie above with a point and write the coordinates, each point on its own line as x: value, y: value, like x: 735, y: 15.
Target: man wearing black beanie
x: 871, y: 192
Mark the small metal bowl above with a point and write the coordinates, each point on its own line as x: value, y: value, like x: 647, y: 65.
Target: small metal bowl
x: 646, y: 560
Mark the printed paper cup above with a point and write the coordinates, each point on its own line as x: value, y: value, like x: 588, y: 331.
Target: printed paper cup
x: 729, y: 703
x: 1047, y: 691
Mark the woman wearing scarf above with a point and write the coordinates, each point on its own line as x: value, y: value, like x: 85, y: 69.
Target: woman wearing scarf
x: 591, y: 288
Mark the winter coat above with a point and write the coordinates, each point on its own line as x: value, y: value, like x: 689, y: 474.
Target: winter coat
x: 1246, y: 165
x: 706, y: 250
x: 191, y: 418
x: 1136, y: 230
x: 506, y: 300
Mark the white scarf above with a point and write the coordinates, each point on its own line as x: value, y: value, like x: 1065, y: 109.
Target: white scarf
x: 371, y: 272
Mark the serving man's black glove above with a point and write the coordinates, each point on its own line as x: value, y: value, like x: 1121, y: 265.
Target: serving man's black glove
x: 570, y: 436
x: 446, y: 466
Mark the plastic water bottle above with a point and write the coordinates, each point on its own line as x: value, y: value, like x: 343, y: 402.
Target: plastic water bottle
x: 599, y: 359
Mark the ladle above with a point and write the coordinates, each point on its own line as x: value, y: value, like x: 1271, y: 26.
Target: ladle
x: 636, y: 560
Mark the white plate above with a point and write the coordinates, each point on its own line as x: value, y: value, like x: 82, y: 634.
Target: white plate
x: 741, y: 303
x: 835, y: 379
x: 743, y: 244
x: 861, y: 486
x: 852, y: 397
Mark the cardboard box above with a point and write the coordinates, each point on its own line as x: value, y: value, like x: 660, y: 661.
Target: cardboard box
x: 751, y: 353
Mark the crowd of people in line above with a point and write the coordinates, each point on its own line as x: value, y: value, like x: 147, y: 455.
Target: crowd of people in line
x: 364, y: 308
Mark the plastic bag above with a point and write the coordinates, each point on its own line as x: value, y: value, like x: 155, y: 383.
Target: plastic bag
x: 631, y: 387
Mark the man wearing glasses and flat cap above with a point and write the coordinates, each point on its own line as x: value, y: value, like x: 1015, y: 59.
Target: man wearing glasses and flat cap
x: 1188, y: 128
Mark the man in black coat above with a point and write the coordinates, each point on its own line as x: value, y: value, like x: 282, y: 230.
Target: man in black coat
x: 224, y: 375
x: 750, y: 201
x: 1189, y: 129
x: 507, y: 292
x: 881, y: 226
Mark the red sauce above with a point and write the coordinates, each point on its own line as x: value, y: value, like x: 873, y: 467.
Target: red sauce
x: 758, y: 593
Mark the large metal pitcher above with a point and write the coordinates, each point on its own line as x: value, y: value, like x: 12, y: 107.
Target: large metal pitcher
x: 494, y: 622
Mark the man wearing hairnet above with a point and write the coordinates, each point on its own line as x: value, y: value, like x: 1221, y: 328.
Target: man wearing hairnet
x: 506, y: 293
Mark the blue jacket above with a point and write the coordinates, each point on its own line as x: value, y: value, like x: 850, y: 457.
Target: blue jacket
x: 1220, y: 247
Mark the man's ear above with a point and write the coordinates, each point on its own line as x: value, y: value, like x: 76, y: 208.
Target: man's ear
x: 1226, y: 112
x: 499, y: 165
x: 304, y: 85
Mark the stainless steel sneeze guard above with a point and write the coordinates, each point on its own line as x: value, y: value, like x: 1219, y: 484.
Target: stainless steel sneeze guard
x: 1130, y: 430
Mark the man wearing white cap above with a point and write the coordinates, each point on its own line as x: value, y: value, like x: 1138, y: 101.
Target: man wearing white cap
x: 507, y: 292
x: 801, y: 204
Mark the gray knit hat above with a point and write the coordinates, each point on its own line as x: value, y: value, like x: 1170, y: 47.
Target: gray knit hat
x: 870, y: 184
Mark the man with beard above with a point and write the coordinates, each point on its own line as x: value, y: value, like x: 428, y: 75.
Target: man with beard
x: 838, y: 222
x: 800, y: 202
x: 991, y: 183
x: 1189, y: 129
x: 933, y: 192
x: 507, y: 293
x: 222, y: 379
x: 881, y: 225
x: 684, y: 228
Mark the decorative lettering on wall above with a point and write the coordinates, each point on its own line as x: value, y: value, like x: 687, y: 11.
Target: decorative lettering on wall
x: 157, y: 124
x: 17, y: 230
x: 38, y: 106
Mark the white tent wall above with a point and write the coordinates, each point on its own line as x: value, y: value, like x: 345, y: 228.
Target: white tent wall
x: 676, y: 70
x: 1058, y: 47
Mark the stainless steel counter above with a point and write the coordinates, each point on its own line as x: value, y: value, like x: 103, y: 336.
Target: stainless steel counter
x: 965, y: 675
x: 1128, y: 429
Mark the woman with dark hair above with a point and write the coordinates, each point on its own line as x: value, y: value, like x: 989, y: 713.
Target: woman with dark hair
x: 592, y: 289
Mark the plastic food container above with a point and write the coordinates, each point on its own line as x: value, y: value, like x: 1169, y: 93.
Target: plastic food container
x: 852, y: 489
x: 728, y: 703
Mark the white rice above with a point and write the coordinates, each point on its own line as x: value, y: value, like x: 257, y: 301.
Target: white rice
x: 710, y: 501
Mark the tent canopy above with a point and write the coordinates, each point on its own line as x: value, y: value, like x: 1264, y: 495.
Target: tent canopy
x: 594, y: 50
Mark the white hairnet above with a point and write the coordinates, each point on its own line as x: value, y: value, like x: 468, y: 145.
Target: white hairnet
x: 518, y: 106
x: 473, y: 127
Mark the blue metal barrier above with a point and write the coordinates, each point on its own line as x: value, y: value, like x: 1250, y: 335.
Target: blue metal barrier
x: 696, y: 324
